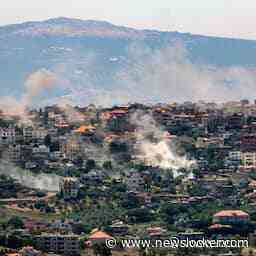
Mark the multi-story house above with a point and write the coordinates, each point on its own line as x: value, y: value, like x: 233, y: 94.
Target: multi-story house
x: 58, y: 243
x: 14, y: 152
x: 135, y: 182
x: 70, y: 148
x: 7, y: 135
x: 40, y: 149
x: 234, y: 155
x: 69, y: 187
x: 231, y: 217
x: 39, y: 134
x: 28, y: 133
x: 248, y: 160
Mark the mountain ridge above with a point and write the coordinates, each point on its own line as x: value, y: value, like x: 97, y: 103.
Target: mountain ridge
x: 105, y: 24
x: 96, y: 51
x: 70, y: 27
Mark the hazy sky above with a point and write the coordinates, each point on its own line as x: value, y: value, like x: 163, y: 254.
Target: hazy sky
x: 232, y: 18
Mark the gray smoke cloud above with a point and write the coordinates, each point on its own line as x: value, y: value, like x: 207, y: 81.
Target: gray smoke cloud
x: 36, y: 83
x: 148, y: 76
x: 72, y: 115
x: 168, y: 74
x: 154, y: 146
x: 47, y: 182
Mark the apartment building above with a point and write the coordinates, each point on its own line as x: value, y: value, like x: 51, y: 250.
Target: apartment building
x: 248, y: 160
x: 28, y: 134
x: 231, y: 217
x: 135, y: 182
x: 7, y: 135
x: 69, y: 187
x: 39, y: 134
x: 235, y: 155
x: 59, y: 243
x: 70, y: 148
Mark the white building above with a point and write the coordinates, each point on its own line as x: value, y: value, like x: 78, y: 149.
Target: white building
x: 69, y: 187
x: 14, y: 152
x: 39, y: 134
x: 28, y: 133
x: 40, y: 149
x: 7, y: 135
x: 135, y: 182
x: 248, y: 160
x: 235, y: 155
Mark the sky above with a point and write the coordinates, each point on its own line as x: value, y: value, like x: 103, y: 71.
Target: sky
x: 226, y: 18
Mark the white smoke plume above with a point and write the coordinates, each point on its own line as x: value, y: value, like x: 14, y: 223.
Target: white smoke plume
x: 36, y: 83
x: 148, y: 76
x: 41, y: 80
x: 168, y: 74
x: 72, y: 115
x: 154, y: 146
x: 46, y: 182
x: 10, y: 106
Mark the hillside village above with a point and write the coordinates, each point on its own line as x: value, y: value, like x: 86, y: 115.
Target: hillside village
x: 184, y: 170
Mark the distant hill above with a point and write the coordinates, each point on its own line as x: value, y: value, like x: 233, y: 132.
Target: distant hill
x: 95, y: 50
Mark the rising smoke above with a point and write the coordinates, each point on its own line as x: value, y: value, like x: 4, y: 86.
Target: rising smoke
x: 149, y: 76
x: 152, y: 76
x: 42, y: 181
x: 168, y: 74
x: 72, y: 115
x: 154, y: 145
x: 36, y: 83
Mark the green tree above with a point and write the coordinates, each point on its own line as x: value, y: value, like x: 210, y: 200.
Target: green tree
x: 47, y: 140
x: 90, y: 164
x: 15, y: 222
x: 107, y: 165
x: 101, y: 250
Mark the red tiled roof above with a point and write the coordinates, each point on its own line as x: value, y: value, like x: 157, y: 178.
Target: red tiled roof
x: 85, y: 128
x: 231, y: 213
x: 219, y: 226
x: 99, y: 235
x: 118, y: 112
